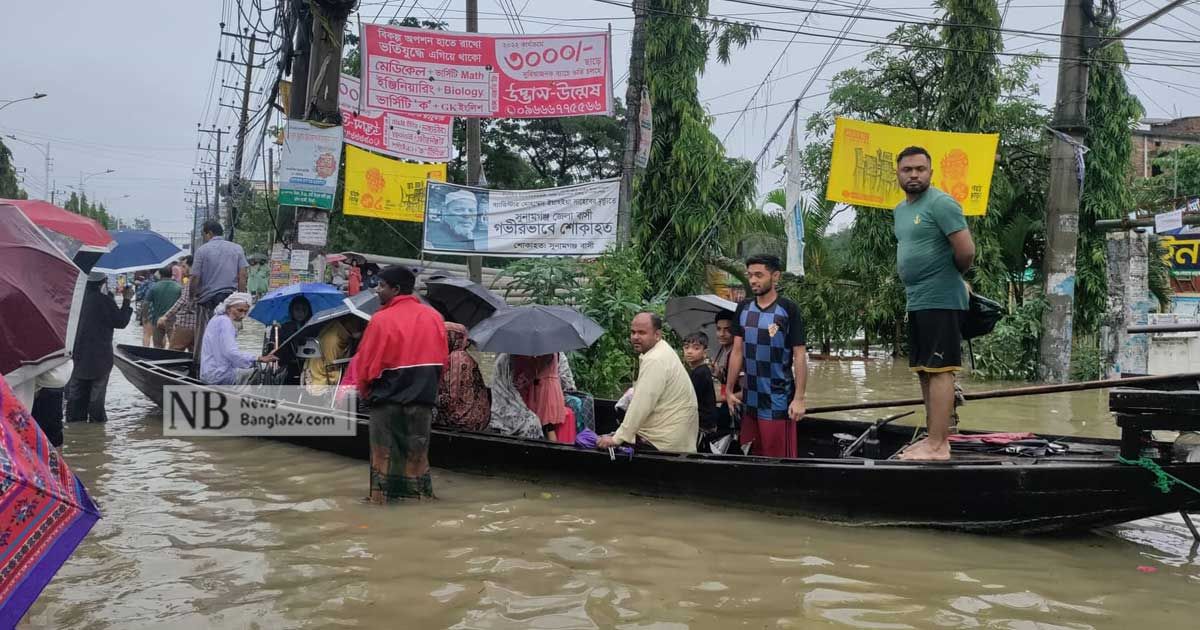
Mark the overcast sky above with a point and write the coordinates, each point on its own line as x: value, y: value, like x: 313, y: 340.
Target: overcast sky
x: 128, y: 80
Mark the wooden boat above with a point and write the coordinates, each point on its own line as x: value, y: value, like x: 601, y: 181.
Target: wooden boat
x: 985, y: 492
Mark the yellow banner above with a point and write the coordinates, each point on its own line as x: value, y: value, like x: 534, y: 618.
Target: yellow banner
x: 863, y: 170
x: 387, y: 188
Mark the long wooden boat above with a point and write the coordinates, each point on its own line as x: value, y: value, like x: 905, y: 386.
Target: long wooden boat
x: 1082, y: 488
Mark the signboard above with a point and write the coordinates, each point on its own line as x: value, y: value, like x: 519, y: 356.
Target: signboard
x: 308, y: 171
x: 279, y: 252
x: 489, y: 76
x: 416, y: 137
x: 1168, y: 221
x: 299, y: 260
x: 863, y: 170
x: 312, y: 233
x: 384, y: 188
x: 1183, y: 254
x: 574, y: 220
x: 646, y: 131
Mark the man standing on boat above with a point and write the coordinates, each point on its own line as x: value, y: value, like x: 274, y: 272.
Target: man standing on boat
x: 219, y: 268
x: 398, y: 367
x: 769, y: 342
x: 933, y: 249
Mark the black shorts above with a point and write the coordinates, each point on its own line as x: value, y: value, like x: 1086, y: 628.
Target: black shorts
x: 935, y: 340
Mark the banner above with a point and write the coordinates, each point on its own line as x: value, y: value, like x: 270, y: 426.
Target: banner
x: 485, y: 76
x: 416, y: 137
x: 645, y: 131
x: 308, y: 170
x: 384, y: 188
x: 1183, y: 254
x: 863, y: 170
x: 574, y: 220
x: 793, y: 214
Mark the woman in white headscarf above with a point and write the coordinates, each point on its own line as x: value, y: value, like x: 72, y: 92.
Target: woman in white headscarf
x: 221, y: 362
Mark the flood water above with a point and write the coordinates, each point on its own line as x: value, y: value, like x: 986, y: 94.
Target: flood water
x: 245, y: 533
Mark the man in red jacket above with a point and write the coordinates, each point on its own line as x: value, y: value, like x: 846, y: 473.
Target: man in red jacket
x: 398, y: 366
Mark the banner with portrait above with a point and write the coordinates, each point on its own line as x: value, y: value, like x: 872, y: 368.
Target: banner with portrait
x: 384, y: 188
x: 579, y: 220
x: 863, y: 169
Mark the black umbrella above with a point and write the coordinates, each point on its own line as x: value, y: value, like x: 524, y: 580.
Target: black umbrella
x: 462, y: 301
x: 536, y: 330
x: 362, y: 306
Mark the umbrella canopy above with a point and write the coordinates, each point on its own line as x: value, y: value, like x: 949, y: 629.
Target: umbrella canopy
x: 461, y: 301
x: 138, y: 250
x: 696, y: 313
x: 83, y: 240
x: 44, y: 509
x: 273, y: 307
x: 258, y: 257
x: 362, y: 306
x: 535, y: 330
x: 40, y: 296
x: 335, y: 258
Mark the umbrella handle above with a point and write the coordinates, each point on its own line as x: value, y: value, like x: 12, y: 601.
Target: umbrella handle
x: 275, y: 333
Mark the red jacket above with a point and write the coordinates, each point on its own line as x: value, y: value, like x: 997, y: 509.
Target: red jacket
x: 401, y: 354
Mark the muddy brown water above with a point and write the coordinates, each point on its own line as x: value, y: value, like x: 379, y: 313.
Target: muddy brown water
x: 245, y: 533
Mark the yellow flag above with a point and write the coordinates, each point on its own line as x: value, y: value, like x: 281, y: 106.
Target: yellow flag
x: 387, y: 188
x: 863, y: 170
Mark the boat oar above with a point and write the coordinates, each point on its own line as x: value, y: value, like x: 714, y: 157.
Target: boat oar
x: 1013, y: 392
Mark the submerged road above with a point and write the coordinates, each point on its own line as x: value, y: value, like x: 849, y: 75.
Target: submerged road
x: 245, y: 533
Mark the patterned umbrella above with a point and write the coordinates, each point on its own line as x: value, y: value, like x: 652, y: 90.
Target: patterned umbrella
x: 44, y: 509
x: 40, y: 296
x: 83, y: 240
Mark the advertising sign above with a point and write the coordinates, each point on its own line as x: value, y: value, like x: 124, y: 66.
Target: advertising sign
x: 384, y: 188
x: 308, y: 171
x: 416, y: 137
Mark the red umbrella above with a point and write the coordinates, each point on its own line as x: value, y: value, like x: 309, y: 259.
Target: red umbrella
x: 80, y: 238
x: 40, y: 295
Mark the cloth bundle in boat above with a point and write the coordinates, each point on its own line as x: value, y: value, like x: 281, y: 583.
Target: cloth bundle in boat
x: 584, y: 407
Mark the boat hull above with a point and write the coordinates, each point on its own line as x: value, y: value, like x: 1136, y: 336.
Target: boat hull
x: 1059, y: 494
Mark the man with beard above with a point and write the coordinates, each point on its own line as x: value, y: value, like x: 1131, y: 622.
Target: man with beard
x: 769, y: 342
x: 933, y: 249
x: 459, y: 227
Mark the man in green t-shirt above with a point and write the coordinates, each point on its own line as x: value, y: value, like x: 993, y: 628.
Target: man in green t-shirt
x: 162, y: 297
x: 933, y: 249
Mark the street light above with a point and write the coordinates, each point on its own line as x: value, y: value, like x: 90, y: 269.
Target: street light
x: 36, y: 95
x: 84, y: 177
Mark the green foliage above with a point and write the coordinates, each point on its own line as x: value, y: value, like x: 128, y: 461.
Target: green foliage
x: 9, y: 189
x: 689, y: 186
x: 971, y: 80
x: 613, y: 293
x: 1085, y: 358
x: 80, y: 205
x: 1113, y: 114
x: 1179, y: 177
x: 255, y: 228
x: 544, y: 280
x: 1010, y: 352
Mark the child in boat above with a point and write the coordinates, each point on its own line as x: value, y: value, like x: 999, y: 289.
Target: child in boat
x: 695, y: 354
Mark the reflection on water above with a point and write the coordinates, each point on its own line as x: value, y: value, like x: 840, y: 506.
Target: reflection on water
x: 244, y: 533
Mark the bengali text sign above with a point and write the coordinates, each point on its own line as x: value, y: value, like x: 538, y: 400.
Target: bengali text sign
x: 579, y: 220
x: 384, y: 188
x: 863, y: 170
x: 416, y: 137
x: 490, y: 76
x: 308, y: 171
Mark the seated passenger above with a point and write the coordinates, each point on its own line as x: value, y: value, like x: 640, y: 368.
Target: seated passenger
x: 221, y: 362
x: 515, y: 414
x: 336, y: 340
x: 463, y: 399
x: 695, y: 352
x: 663, y: 413
x: 299, y: 312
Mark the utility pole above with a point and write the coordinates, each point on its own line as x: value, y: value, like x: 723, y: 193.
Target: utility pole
x: 1079, y: 39
x: 474, y: 165
x: 297, y: 61
x: 633, y: 127
x: 217, y: 180
x: 235, y: 178
x: 324, y: 70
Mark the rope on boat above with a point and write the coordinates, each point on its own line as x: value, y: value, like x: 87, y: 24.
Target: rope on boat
x: 1163, y: 480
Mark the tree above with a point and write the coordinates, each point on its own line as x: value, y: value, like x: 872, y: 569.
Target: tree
x: 80, y: 205
x: 1113, y: 114
x: 970, y: 82
x: 9, y: 189
x: 689, y: 186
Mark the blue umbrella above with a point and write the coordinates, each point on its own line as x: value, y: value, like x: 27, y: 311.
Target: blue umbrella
x: 273, y: 307
x: 137, y: 250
